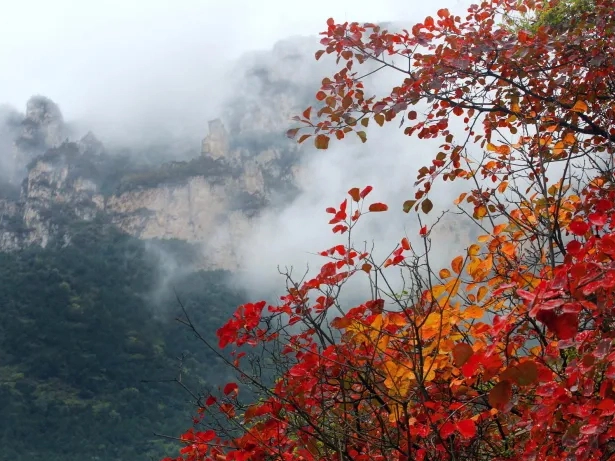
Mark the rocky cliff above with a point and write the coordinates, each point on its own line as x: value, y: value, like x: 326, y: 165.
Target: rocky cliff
x: 58, y: 178
x: 209, y: 200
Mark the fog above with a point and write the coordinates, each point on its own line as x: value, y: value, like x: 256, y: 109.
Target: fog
x: 142, y: 72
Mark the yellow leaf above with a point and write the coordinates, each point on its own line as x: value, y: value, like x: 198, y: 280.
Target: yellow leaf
x: 480, y: 212
x: 473, y: 250
x: 438, y: 290
x: 580, y: 106
x: 452, y: 287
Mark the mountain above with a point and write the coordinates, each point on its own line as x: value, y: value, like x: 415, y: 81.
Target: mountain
x: 98, y: 244
x: 210, y: 199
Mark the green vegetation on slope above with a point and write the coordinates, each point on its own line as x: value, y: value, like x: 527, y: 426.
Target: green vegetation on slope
x: 81, y: 329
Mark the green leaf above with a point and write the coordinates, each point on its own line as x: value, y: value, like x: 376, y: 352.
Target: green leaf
x: 408, y: 204
x: 426, y: 206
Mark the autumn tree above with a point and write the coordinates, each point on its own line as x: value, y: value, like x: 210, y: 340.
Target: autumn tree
x: 508, y: 352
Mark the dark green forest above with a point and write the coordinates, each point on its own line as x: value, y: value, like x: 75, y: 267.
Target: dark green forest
x: 89, y: 347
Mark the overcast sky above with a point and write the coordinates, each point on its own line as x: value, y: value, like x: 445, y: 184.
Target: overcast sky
x: 140, y: 67
x: 129, y: 59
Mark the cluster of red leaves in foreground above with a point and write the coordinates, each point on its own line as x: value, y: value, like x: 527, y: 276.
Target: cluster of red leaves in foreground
x: 508, y: 354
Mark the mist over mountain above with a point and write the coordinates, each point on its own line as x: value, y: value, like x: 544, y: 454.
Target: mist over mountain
x: 100, y: 238
x: 164, y: 174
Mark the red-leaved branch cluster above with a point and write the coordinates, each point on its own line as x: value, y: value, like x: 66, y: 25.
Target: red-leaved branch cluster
x: 509, y: 352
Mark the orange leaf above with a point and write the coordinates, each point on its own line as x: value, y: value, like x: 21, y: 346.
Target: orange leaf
x: 580, y: 106
x: 405, y: 244
x: 474, y: 249
x: 307, y: 112
x: 480, y: 212
x: 321, y: 141
x: 366, y: 267
x: 482, y: 291
x: 569, y: 139
x: 445, y: 273
x: 558, y: 148
x: 355, y: 194
x: 473, y: 312
x: 376, y: 207
x: 457, y: 264
x: 459, y: 199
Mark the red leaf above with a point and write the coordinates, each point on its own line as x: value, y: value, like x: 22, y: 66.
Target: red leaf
x: 376, y: 207
x: 447, y: 429
x: 500, y: 395
x: 423, y: 231
x: 566, y: 325
x: 467, y: 428
x: 366, y: 191
x: 462, y: 353
x: 574, y: 247
x: 321, y: 95
x: 230, y: 387
x: 405, y: 244
x: 204, y: 437
x: 578, y: 227
x: 355, y: 194
x: 597, y: 219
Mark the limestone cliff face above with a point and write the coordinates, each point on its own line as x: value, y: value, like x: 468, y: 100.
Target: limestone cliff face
x: 210, y: 200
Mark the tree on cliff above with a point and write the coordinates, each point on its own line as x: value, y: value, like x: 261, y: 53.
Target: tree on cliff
x: 507, y: 353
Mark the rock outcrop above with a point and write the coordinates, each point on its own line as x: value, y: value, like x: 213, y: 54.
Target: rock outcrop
x: 211, y: 199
